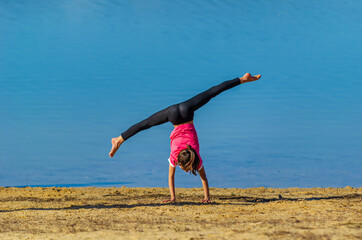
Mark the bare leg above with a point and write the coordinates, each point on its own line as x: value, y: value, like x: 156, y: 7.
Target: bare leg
x: 116, y: 143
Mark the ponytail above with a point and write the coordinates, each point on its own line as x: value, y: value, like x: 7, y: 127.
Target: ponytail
x: 188, y: 159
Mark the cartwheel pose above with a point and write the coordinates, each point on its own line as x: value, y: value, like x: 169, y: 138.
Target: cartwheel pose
x: 184, y: 140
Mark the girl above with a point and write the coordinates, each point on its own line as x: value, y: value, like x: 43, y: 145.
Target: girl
x: 184, y: 141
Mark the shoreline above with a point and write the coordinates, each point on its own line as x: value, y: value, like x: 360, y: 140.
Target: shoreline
x: 124, y: 184
x: 137, y: 213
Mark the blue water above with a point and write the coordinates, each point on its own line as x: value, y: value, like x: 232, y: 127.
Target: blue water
x: 74, y: 74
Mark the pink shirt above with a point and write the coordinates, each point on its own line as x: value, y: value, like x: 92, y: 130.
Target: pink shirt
x: 181, y: 136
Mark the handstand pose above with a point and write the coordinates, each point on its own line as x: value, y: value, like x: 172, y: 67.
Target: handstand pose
x: 184, y: 141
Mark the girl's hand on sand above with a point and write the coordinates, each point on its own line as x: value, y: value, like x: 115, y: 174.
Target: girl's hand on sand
x: 169, y: 200
x: 249, y: 78
x: 206, y: 200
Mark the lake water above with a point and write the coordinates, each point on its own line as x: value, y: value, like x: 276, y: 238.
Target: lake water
x: 74, y: 74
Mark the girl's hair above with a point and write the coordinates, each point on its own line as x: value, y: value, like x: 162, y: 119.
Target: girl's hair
x: 188, y: 159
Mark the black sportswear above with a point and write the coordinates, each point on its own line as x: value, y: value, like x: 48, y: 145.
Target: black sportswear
x: 182, y: 112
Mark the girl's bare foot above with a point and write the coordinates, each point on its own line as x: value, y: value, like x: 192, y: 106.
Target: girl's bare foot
x: 169, y: 201
x: 116, y: 143
x: 249, y: 78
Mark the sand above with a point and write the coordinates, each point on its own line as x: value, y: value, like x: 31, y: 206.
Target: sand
x: 137, y: 213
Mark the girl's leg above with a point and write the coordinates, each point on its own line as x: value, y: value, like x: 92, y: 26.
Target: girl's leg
x: 156, y: 119
x: 202, y: 98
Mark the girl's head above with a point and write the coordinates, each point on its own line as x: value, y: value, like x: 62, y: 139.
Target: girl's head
x: 188, y: 159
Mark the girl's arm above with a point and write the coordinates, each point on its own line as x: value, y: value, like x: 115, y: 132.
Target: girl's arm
x: 205, y: 184
x: 171, y: 184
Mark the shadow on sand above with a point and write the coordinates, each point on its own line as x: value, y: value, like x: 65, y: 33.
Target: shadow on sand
x: 243, y: 201
x: 104, y: 206
x: 280, y: 198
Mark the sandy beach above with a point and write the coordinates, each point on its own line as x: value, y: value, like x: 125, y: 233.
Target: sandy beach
x: 137, y: 213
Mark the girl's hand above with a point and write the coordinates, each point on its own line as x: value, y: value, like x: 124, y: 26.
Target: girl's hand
x: 169, y: 200
x: 206, y: 200
x: 249, y: 78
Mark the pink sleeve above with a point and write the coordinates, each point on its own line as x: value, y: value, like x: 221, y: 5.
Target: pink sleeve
x: 172, y: 161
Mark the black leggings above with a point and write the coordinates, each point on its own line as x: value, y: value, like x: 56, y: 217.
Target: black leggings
x: 182, y: 112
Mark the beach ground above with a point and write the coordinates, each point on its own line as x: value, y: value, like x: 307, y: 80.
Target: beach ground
x: 137, y: 213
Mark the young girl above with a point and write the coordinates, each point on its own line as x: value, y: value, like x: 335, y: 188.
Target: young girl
x: 184, y: 141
